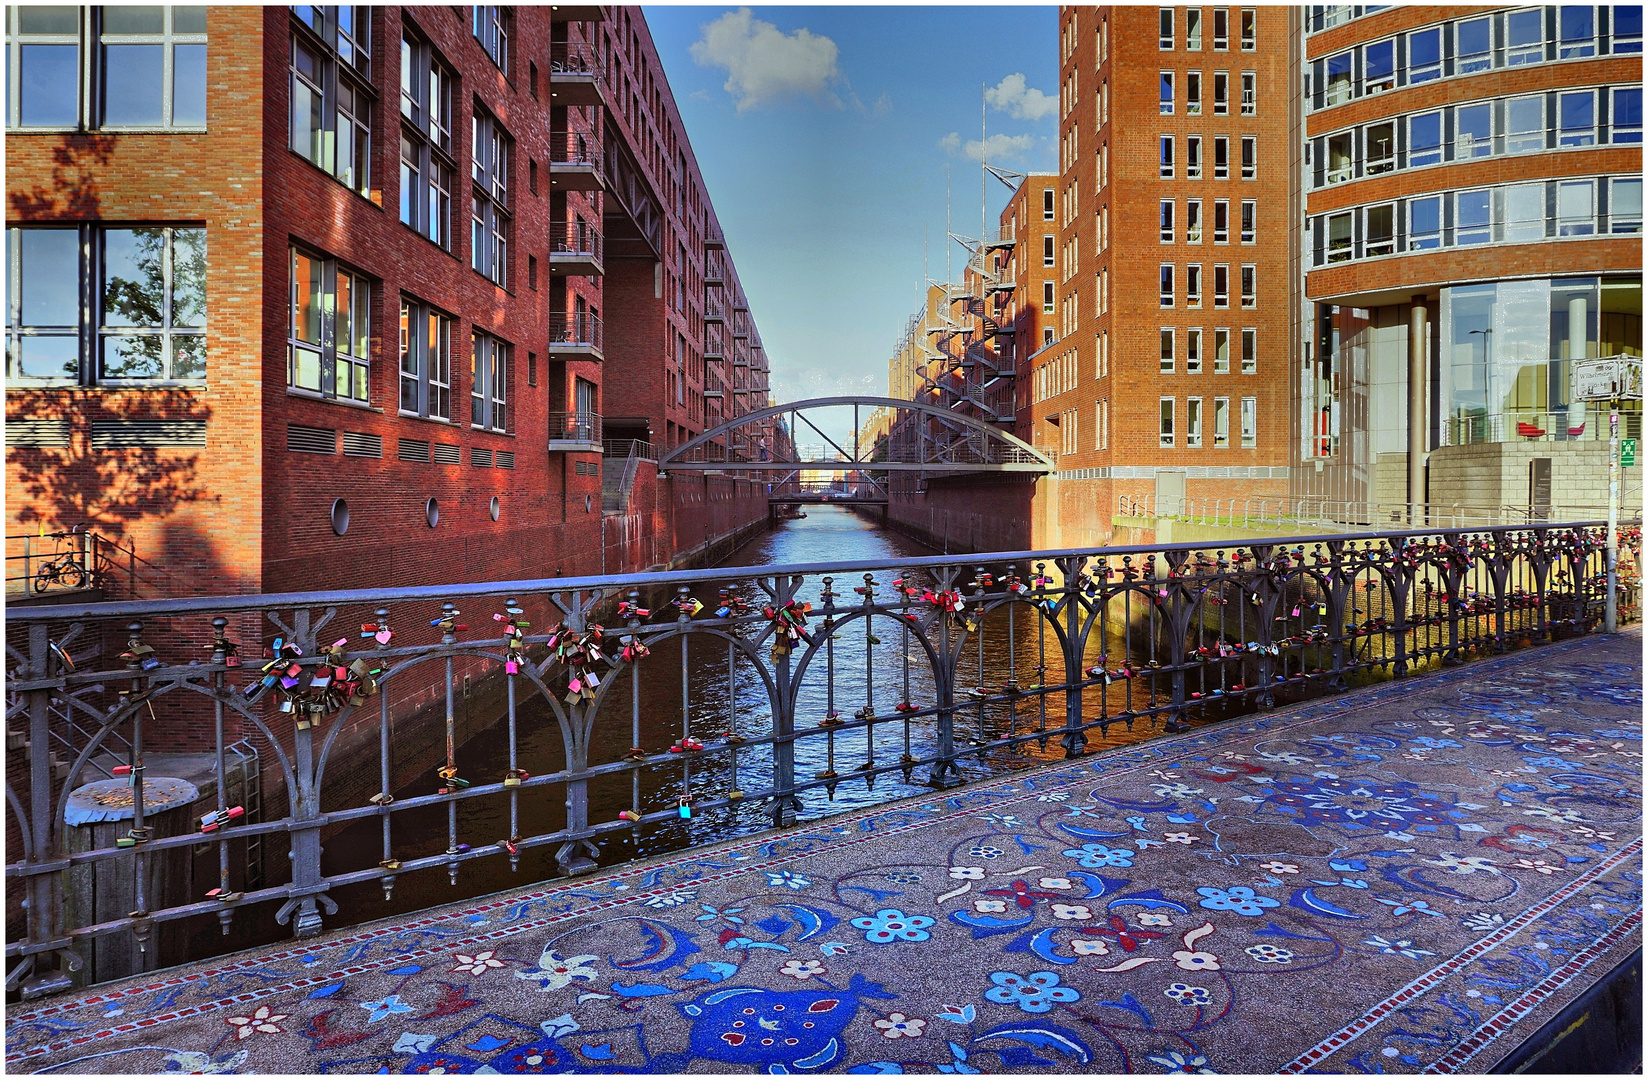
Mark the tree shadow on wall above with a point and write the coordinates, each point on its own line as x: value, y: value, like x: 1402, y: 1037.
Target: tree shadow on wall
x: 76, y: 162
x: 107, y: 489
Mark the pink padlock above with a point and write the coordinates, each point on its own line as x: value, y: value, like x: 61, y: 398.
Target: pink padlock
x: 576, y: 686
x: 383, y: 637
x: 512, y: 667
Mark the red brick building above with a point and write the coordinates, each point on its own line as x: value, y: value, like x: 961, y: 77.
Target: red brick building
x: 1472, y: 225
x: 1168, y: 376
x: 263, y: 331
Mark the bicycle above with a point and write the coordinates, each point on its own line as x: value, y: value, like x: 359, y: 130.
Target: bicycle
x: 63, y: 568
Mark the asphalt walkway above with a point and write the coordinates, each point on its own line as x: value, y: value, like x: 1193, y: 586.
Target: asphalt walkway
x: 1410, y: 878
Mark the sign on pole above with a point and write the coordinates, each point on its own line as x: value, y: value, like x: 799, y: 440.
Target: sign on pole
x: 1604, y: 377
x: 1627, y: 453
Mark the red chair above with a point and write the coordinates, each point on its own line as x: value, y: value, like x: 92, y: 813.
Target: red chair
x: 1528, y: 431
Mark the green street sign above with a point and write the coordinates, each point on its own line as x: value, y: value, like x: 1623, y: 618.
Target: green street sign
x: 1627, y: 453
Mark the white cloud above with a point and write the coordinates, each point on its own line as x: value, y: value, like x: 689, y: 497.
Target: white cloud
x: 996, y: 147
x: 882, y: 105
x: 1019, y: 101
x: 763, y: 63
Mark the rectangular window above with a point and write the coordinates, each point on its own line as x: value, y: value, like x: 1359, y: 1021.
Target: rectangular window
x: 1221, y: 93
x: 1221, y: 285
x: 1193, y: 285
x: 1193, y: 29
x: 1577, y: 116
x: 1101, y: 424
x: 1221, y: 350
x: 1425, y: 55
x: 1165, y: 221
x: 1250, y: 29
x: 1221, y: 221
x: 1193, y: 221
x: 1166, y: 285
x: 1250, y: 214
x: 1625, y: 118
x: 1165, y: 169
x: 1193, y: 422
x: 1221, y: 421
x: 1473, y: 217
x: 1525, y: 124
x: 1047, y: 297
x: 1625, y: 204
x: 1193, y: 92
x: 1193, y: 351
x: 1166, y: 105
x: 1525, y: 37
x: 1250, y: 421
x: 1165, y: 436
x: 1425, y: 139
x: 1379, y: 152
x: 1221, y: 29
x: 1250, y: 350
x: 1379, y: 67
x: 426, y: 143
x: 1164, y: 24
x: 426, y: 361
x: 1341, y: 228
x: 1379, y: 230
x: 1250, y: 285
x: 1524, y: 212
x: 1576, y: 208
x: 43, y: 67
x: 1167, y: 353
x: 1473, y: 42
x: 1424, y: 223
x: 1338, y: 79
x: 1576, y: 29
x: 330, y: 101
x: 1626, y: 29
x: 1250, y: 157
x: 1473, y: 131
x: 1047, y: 204
x: 1221, y: 157
x: 153, y: 67
x: 489, y: 379
x: 148, y: 289
x: 1250, y: 90
x: 329, y: 329
x: 491, y: 26
x: 490, y: 232
x: 1193, y: 157
x: 1047, y: 250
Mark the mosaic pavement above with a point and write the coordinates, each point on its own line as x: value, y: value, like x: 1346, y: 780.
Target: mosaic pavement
x: 1409, y: 878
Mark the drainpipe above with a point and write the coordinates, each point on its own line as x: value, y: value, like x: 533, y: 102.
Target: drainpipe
x: 1418, y: 426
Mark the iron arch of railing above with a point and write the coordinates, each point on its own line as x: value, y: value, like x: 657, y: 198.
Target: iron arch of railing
x: 1059, y: 645
x: 1013, y: 452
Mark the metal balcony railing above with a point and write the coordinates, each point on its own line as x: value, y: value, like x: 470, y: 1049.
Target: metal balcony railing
x: 575, y: 239
x: 575, y: 148
x: 576, y: 58
x: 1538, y: 425
x: 1158, y: 638
x: 580, y: 330
x: 575, y: 427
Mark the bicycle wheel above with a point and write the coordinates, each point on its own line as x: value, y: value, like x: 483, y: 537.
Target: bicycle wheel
x: 45, y: 577
x: 73, y: 576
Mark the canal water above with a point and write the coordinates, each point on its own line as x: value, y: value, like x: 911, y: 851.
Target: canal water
x: 875, y: 666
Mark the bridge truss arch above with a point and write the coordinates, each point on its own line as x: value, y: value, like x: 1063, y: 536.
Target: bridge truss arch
x: 957, y: 444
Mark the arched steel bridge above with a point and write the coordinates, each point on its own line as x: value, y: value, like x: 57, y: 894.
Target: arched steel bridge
x: 965, y: 445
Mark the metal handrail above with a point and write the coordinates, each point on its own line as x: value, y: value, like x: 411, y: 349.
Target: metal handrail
x: 1538, y: 425
x: 578, y: 328
x: 1361, y: 604
x: 577, y: 237
x: 577, y: 426
x: 575, y: 148
x: 576, y: 58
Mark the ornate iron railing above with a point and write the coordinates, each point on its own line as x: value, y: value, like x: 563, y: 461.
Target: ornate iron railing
x: 920, y: 665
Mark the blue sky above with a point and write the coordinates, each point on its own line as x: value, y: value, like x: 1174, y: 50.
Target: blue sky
x: 823, y: 134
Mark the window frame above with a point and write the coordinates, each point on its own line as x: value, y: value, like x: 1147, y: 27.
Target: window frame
x: 1249, y: 29
x: 1193, y: 423
x: 1193, y: 350
x: 491, y: 214
x: 1526, y: 140
x: 16, y: 41
x: 1221, y: 286
x: 492, y: 25
x: 1165, y: 280
x: 426, y: 127
x: 1193, y: 285
x: 1250, y: 422
x: 1221, y: 157
x: 1431, y: 70
x: 1164, y: 221
x: 1249, y: 281
x: 1586, y: 136
x: 168, y: 40
x: 1164, y: 29
x: 1221, y: 356
x: 1250, y: 157
x: 1166, y: 407
x: 1221, y: 213
x: 1567, y: 226
x: 335, y: 79
x: 1368, y: 242
x: 1439, y: 149
x: 331, y: 361
x: 1193, y: 93
x: 1193, y: 221
x: 490, y: 377
x: 423, y: 376
x: 1167, y: 356
x: 1249, y: 222
x: 1250, y: 350
x: 1634, y: 223
x: 1614, y: 127
x: 1250, y: 93
x: 1164, y: 150
x: 1529, y: 52
x: 1469, y: 63
x: 1166, y: 90
x: 1377, y: 84
x: 1221, y: 422
x: 1221, y: 93
x: 1193, y: 157
x: 1416, y: 237
x: 1583, y: 47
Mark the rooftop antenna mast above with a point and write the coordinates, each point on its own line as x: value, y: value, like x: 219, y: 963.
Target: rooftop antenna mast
x: 984, y: 166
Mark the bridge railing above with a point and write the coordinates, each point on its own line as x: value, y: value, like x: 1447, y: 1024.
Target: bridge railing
x: 822, y: 680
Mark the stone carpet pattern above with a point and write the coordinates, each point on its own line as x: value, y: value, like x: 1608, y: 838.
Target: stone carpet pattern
x: 1408, y: 878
